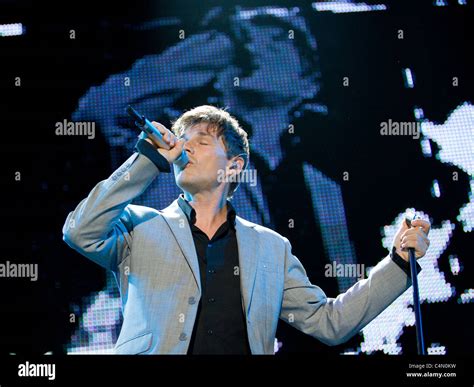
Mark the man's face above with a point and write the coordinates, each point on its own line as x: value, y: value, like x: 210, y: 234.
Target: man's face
x: 207, y: 156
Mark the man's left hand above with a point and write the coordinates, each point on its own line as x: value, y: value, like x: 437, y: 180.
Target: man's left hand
x: 415, y: 236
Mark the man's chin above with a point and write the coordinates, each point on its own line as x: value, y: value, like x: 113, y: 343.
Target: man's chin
x: 186, y: 183
x: 192, y: 184
x: 181, y: 175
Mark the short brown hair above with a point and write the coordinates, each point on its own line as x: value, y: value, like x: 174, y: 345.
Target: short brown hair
x: 226, y: 126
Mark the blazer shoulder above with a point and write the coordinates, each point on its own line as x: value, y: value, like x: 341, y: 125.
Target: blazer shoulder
x: 263, y: 231
x: 139, y: 214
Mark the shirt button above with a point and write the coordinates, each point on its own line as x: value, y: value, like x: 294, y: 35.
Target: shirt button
x: 210, y: 332
x: 191, y: 300
x: 212, y: 271
x: 183, y: 336
x: 211, y: 299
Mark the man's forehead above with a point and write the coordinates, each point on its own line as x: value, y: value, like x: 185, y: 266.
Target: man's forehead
x: 202, y: 129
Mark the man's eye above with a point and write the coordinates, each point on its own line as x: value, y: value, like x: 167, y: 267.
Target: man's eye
x: 203, y: 143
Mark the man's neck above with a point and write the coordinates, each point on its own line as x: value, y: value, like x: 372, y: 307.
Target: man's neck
x: 211, y: 211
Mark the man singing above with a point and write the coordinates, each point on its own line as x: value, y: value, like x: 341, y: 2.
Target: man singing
x: 195, y: 278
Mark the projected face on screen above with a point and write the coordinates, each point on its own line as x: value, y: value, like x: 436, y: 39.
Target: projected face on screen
x: 281, y: 75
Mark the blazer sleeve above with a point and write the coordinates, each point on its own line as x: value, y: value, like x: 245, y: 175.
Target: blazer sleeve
x: 101, y: 226
x: 335, y: 320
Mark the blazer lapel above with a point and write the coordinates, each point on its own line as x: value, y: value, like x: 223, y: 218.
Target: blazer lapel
x: 179, y: 225
x: 247, y: 242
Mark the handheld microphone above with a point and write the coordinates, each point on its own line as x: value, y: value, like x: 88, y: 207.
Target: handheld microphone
x: 147, y: 127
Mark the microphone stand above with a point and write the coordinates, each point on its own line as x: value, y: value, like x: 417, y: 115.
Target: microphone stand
x: 416, y: 303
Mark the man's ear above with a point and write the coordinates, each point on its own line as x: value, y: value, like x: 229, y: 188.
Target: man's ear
x: 237, y: 164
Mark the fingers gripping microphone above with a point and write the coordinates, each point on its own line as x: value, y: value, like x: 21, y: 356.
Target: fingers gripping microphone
x: 147, y: 127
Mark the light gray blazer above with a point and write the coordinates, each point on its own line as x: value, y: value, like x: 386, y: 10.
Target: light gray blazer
x: 153, y: 257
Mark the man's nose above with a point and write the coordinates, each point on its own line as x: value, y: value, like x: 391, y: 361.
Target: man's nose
x: 188, y: 146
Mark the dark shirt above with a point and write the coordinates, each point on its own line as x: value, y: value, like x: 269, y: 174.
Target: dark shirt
x: 220, y: 326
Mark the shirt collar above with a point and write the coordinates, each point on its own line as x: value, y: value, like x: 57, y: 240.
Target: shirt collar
x: 190, y: 212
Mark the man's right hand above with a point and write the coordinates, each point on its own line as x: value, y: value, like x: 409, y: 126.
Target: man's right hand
x: 176, y: 146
